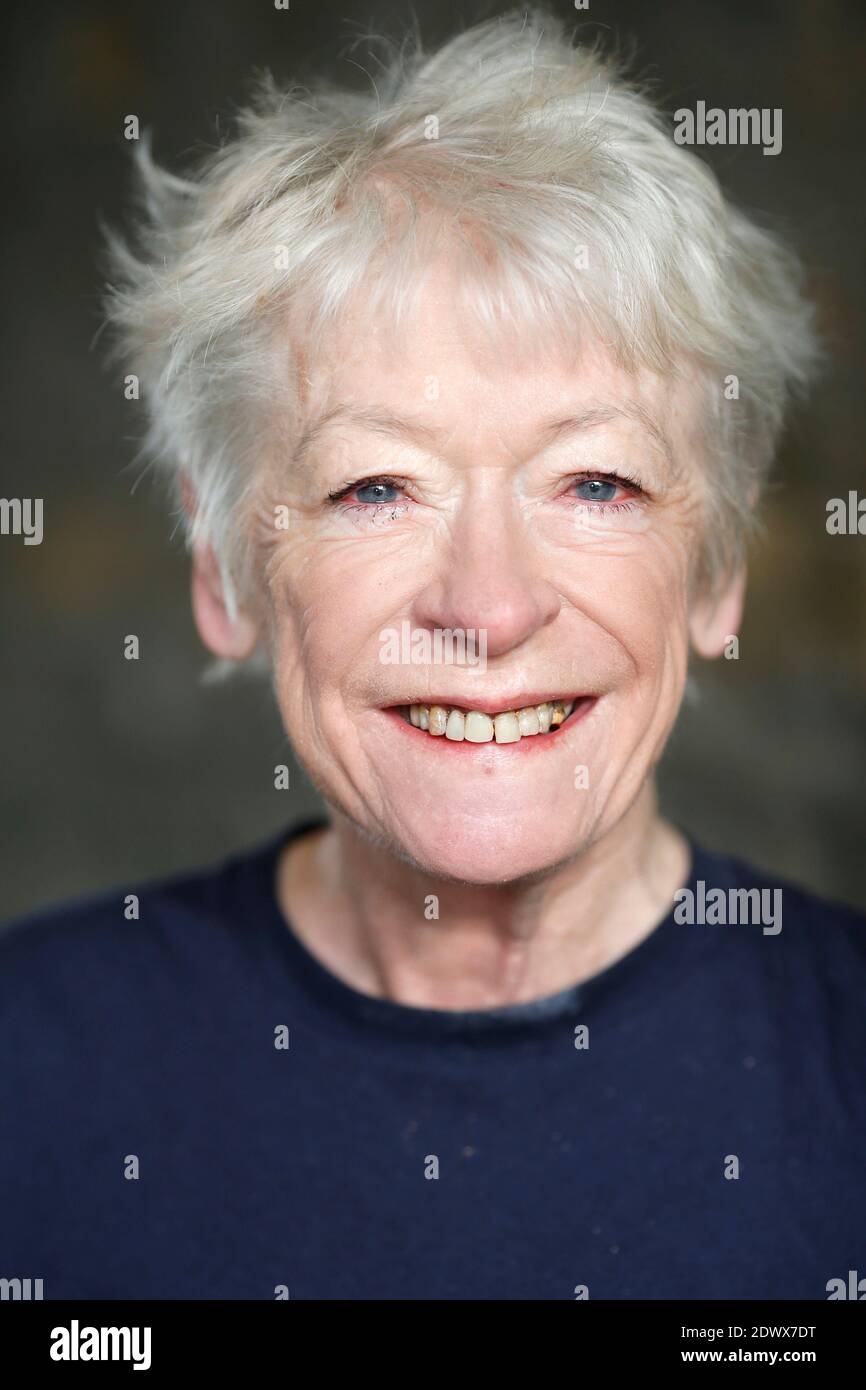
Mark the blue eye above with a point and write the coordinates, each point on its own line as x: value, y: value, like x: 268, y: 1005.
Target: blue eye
x: 376, y: 492
x: 596, y: 490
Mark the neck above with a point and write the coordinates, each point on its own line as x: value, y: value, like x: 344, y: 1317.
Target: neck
x: 388, y: 929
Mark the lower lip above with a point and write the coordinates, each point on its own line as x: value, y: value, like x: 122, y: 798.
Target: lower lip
x: 530, y: 745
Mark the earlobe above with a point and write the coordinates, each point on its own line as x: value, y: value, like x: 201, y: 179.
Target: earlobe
x: 716, y: 618
x: 233, y: 638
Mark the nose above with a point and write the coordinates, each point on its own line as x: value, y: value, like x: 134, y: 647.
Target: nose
x: 488, y: 580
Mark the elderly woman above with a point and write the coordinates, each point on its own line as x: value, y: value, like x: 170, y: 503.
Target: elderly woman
x: 468, y: 389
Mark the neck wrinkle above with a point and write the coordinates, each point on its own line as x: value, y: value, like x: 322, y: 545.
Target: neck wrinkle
x: 361, y: 911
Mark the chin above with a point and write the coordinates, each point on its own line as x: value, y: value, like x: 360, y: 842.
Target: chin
x: 483, y: 850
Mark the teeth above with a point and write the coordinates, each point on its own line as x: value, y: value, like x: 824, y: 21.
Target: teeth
x: 455, y: 728
x: 473, y: 726
x: 506, y: 728
x: 438, y: 720
x: 528, y: 721
x: 478, y: 728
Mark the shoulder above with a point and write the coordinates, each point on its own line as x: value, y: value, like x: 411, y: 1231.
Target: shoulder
x: 793, y: 907
x: 110, y: 946
x: 810, y: 950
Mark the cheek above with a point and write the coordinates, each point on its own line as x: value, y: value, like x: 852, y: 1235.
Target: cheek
x: 636, y: 596
x: 327, y: 604
x: 654, y: 615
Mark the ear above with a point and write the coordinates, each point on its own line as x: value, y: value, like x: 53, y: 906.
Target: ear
x: 717, y: 617
x: 233, y: 638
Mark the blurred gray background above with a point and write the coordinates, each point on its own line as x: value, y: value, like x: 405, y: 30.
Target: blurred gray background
x: 113, y: 771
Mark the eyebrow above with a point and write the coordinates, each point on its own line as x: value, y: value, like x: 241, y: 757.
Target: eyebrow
x: 382, y: 422
x: 377, y: 421
x: 607, y: 415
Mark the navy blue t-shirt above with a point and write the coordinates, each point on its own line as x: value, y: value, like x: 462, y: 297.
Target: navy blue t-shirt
x: 689, y: 1123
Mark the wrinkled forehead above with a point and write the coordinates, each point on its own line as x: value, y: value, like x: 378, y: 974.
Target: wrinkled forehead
x: 438, y: 374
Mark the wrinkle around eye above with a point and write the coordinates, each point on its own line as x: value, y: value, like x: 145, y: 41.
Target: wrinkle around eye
x: 373, y: 514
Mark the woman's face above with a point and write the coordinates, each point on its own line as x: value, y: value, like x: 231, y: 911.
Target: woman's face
x: 549, y: 510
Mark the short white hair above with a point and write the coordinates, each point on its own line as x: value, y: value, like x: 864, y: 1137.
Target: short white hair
x: 521, y: 148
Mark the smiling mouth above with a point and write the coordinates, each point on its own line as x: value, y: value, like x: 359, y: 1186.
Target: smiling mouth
x: 474, y: 726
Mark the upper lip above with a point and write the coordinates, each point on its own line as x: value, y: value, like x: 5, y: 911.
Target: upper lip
x: 487, y: 704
